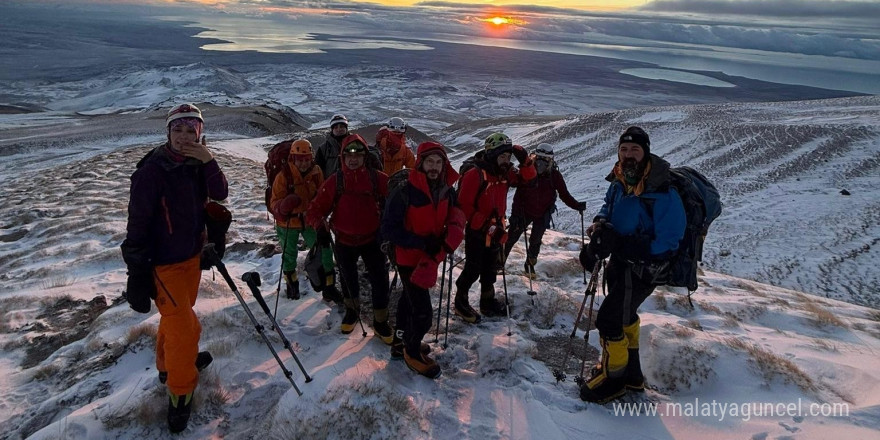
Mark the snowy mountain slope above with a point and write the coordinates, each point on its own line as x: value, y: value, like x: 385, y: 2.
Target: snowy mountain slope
x: 781, y: 169
x: 744, y: 343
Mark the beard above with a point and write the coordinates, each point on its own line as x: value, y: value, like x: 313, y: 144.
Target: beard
x: 505, y: 167
x: 433, y: 174
x: 631, y: 169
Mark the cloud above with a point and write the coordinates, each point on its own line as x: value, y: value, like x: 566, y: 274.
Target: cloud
x: 773, y: 8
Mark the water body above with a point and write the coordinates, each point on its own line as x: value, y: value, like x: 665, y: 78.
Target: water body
x: 677, y: 76
x: 829, y: 72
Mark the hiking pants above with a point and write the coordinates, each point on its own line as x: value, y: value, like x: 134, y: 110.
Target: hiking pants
x: 177, y: 342
x: 479, y: 262
x: 518, y: 225
x: 374, y: 262
x: 414, y: 311
x: 289, y: 239
x: 627, y: 292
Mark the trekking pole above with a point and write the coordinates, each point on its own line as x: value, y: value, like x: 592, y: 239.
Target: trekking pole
x: 531, y: 291
x: 252, y: 279
x: 214, y: 259
x: 506, y: 300
x: 345, y: 287
x: 582, y: 243
x: 581, y: 379
x: 281, y: 269
x: 559, y: 373
x: 448, y: 302
x: 440, y: 303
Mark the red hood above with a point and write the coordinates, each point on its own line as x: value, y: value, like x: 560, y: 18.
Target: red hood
x: 348, y: 140
x: 428, y: 148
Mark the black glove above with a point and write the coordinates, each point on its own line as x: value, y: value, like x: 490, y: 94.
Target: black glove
x: 323, y: 236
x: 581, y: 206
x: 520, y: 154
x: 603, y: 241
x: 140, y: 288
x: 588, y: 259
x: 433, y: 245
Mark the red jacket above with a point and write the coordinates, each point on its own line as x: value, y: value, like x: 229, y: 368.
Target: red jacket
x: 535, y: 198
x: 355, y: 218
x: 418, y: 211
x: 481, y: 206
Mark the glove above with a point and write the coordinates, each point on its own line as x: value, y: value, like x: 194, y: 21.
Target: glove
x: 603, y: 240
x: 289, y: 203
x: 323, y: 236
x: 581, y: 206
x: 432, y: 245
x: 587, y: 258
x: 520, y: 154
x: 140, y: 288
x: 425, y: 273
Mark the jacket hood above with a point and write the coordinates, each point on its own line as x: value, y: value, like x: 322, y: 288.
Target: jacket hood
x: 348, y: 141
x: 428, y: 148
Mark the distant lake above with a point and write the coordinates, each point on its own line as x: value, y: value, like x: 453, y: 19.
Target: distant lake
x: 677, y: 76
x: 300, y: 36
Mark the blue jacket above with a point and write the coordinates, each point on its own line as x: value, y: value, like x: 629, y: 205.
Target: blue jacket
x: 656, y: 215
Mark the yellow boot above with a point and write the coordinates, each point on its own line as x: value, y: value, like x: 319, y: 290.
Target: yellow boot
x: 635, y: 380
x: 609, y: 383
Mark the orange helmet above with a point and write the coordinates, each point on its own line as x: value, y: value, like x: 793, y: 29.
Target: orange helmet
x: 301, y: 147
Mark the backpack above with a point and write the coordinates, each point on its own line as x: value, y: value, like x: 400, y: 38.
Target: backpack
x: 702, y: 205
x: 314, y: 268
x: 466, y: 166
x: 276, y: 163
x: 396, y: 184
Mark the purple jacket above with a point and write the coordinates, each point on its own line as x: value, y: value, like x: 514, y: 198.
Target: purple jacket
x: 534, y: 199
x: 166, y: 211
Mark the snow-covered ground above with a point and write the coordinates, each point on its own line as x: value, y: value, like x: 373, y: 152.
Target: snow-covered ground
x: 750, y: 360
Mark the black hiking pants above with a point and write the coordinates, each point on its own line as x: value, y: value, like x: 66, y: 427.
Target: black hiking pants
x: 414, y: 312
x: 479, y: 262
x: 627, y: 291
x: 518, y: 225
x: 374, y: 262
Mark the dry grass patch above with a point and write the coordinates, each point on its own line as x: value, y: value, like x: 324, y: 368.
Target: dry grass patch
x: 222, y: 347
x: 682, y: 368
x: 680, y: 331
x: 141, y: 331
x: 824, y: 344
x: 708, y: 307
x: 821, y: 317
x: 660, y: 301
x: 874, y: 315
x: 45, y: 372
x: 771, y: 365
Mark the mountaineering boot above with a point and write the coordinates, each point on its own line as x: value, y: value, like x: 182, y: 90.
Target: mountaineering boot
x: 462, y: 308
x: 381, y: 327
x: 422, y: 364
x: 489, y: 306
x: 529, y: 268
x: 609, y: 383
x: 179, y: 409
x: 397, y: 346
x: 330, y: 293
x: 635, y: 380
x: 203, y: 359
x: 292, y: 285
x: 351, y: 316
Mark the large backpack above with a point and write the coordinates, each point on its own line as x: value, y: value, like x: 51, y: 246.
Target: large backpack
x: 702, y: 205
x: 466, y: 166
x: 396, y: 184
x: 276, y: 163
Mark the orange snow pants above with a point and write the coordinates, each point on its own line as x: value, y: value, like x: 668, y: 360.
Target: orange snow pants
x: 177, y: 342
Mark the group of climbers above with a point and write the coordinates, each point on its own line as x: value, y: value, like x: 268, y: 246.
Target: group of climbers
x: 336, y: 198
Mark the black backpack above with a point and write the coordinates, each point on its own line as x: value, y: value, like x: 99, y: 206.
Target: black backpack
x: 396, y: 185
x: 702, y: 205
